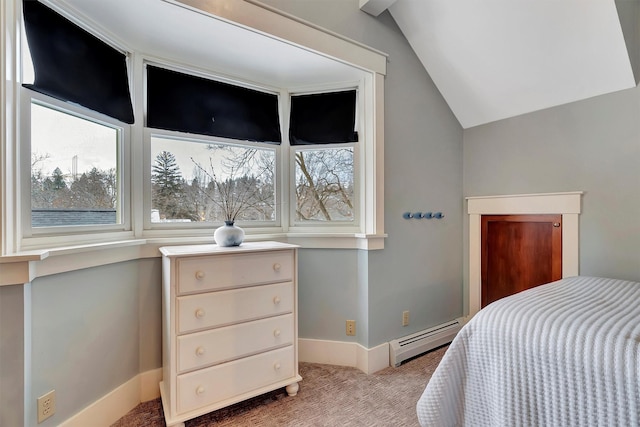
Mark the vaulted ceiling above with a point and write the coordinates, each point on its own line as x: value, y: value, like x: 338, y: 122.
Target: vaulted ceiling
x: 494, y: 59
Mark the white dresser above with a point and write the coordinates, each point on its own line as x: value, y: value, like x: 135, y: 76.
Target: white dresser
x: 229, y: 325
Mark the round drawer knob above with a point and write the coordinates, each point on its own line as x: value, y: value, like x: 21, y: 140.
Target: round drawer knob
x: 277, y: 267
x: 199, y: 351
x: 200, y: 274
x: 200, y: 313
x: 276, y: 333
x: 276, y: 300
x: 276, y: 366
x: 200, y: 390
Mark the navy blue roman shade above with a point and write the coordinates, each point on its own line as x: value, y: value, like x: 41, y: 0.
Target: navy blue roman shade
x: 187, y: 103
x: 73, y: 65
x: 323, y: 118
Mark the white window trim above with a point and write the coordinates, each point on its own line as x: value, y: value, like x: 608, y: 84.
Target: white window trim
x: 47, y: 236
x: 323, y: 235
x: 299, y: 228
x: 318, y: 40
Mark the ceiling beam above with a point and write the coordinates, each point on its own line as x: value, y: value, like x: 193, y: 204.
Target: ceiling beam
x: 629, y: 14
x: 375, y: 7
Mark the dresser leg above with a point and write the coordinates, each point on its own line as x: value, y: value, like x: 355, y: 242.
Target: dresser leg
x: 292, y: 389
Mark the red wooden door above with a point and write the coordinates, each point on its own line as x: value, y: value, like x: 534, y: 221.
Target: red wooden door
x: 518, y: 253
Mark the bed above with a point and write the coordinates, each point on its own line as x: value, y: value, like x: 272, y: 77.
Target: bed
x: 565, y: 353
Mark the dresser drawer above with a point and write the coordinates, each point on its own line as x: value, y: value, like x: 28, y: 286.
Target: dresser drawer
x: 232, y: 342
x: 201, y: 311
x: 210, y: 385
x: 206, y: 273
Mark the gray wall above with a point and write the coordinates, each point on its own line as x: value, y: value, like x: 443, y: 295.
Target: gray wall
x: 591, y: 146
x: 93, y: 330
x: 327, y: 292
x: 14, y: 354
x: 420, y: 268
x: 149, y: 280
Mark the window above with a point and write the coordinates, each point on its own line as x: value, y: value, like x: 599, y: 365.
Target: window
x: 75, y: 115
x: 219, y: 174
x: 101, y: 175
x: 322, y: 132
x: 324, y: 185
x: 208, y: 181
x: 75, y: 170
x: 222, y: 163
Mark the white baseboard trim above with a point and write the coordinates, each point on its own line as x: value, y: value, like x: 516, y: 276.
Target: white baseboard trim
x: 115, y: 404
x: 145, y: 386
x: 150, y: 384
x: 368, y: 360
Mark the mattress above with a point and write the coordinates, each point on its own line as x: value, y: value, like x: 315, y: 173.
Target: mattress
x: 561, y: 354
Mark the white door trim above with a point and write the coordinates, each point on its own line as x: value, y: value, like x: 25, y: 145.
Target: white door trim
x: 567, y: 204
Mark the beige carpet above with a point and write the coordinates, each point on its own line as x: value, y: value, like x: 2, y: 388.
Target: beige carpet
x: 328, y: 396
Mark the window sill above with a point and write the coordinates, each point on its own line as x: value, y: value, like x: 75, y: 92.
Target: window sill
x: 367, y: 242
x: 26, y: 266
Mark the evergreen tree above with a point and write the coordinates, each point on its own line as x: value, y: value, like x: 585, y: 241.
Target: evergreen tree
x: 166, y: 172
x: 168, y: 188
x: 58, y: 179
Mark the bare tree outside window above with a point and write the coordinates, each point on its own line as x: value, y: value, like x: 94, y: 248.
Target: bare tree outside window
x: 242, y: 189
x: 204, y: 182
x: 324, y: 184
x: 227, y: 182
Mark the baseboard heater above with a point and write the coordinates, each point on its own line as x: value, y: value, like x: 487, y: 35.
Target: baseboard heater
x: 423, y: 341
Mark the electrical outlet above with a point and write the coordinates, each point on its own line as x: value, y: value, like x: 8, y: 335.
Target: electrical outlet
x: 351, y: 327
x: 46, y: 406
x: 405, y: 318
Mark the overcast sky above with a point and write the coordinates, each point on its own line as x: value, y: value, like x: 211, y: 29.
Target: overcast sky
x: 57, y: 137
x: 60, y: 137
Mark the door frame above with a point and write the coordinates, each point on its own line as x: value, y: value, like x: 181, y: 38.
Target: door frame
x: 567, y: 204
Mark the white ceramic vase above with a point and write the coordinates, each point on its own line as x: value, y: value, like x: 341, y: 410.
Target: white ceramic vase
x: 228, y: 234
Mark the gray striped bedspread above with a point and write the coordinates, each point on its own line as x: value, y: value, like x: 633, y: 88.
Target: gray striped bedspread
x: 562, y: 354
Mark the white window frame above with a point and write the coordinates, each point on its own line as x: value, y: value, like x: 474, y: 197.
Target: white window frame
x: 325, y: 226
x: 204, y: 229
x: 368, y: 174
x: 370, y: 235
x: 35, y: 237
x: 285, y: 225
x: 332, y: 227
x: 152, y: 229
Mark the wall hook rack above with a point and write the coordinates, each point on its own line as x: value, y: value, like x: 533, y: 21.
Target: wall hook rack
x: 421, y: 215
